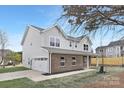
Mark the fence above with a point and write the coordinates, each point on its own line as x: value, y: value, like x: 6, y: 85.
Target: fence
x: 109, y: 61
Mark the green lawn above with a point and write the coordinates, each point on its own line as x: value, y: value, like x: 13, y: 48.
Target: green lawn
x: 73, y: 81
x: 12, y: 69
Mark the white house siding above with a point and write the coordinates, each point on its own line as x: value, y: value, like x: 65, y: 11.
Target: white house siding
x: 36, y: 40
x: 64, y: 43
x: 85, y: 41
x: 113, y: 51
x: 32, y: 48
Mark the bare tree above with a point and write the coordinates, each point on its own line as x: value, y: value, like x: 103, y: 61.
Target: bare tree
x: 93, y: 17
x: 90, y: 18
x: 3, y: 45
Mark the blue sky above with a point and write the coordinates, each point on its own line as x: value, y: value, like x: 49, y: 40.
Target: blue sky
x: 14, y: 19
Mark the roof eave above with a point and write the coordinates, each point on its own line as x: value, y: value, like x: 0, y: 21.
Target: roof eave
x: 25, y: 34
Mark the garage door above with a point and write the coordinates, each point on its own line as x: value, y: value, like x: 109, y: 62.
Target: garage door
x: 42, y: 66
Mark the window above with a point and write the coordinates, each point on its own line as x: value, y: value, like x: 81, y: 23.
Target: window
x: 52, y: 41
x: 57, y: 42
x: 62, y: 61
x: 73, y: 61
x: 30, y: 44
x: 101, y: 50
x: 70, y: 44
x: 40, y: 59
x: 121, y: 47
x: 30, y: 62
x: 75, y: 45
x: 85, y: 47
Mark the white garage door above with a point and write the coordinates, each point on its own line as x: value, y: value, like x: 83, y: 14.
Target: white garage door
x: 42, y: 66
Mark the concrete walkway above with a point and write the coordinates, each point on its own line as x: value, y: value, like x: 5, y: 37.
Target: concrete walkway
x: 36, y: 76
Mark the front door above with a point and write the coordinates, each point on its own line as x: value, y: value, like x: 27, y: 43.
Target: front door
x: 85, y: 62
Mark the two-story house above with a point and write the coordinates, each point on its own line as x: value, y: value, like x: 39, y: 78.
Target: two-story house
x: 113, y: 49
x: 52, y: 51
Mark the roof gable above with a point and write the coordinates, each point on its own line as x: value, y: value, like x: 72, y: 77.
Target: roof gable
x: 26, y: 32
x: 75, y: 39
x: 38, y: 28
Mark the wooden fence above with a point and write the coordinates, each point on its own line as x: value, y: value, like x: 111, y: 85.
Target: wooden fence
x: 108, y: 61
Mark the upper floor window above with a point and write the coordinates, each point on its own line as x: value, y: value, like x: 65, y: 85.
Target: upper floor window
x: 70, y: 44
x: 101, y: 50
x: 85, y: 47
x: 121, y: 47
x: 57, y: 42
x: 52, y: 41
x: 75, y: 45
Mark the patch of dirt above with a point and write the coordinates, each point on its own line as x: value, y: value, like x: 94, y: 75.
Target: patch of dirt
x: 109, y: 81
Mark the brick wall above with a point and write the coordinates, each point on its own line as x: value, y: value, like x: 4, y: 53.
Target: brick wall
x: 56, y: 67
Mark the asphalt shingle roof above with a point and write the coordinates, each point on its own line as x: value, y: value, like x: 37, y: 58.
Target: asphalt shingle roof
x: 119, y: 42
x: 41, y: 29
x: 113, y: 43
x: 66, y: 36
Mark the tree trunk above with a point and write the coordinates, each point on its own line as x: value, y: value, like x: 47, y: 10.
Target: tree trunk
x: 2, y: 55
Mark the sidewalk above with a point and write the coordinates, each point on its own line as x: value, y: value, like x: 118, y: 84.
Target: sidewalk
x: 36, y: 76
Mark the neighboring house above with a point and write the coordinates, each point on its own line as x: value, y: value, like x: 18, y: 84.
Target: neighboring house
x: 6, y: 51
x: 101, y: 51
x: 52, y: 51
x: 113, y: 49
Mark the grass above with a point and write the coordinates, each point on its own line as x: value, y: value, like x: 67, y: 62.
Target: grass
x: 12, y: 69
x: 73, y: 81
x: 17, y: 83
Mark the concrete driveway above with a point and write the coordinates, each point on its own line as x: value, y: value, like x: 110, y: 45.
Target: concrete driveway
x: 19, y: 74
x: 36, y: 76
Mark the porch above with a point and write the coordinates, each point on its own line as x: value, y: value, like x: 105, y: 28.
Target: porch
x: 63, y: 60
